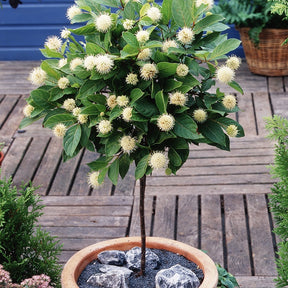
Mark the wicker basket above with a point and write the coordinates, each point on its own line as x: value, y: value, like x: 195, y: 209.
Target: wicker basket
x: 270, y: 58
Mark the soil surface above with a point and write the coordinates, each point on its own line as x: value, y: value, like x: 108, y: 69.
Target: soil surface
x: 167, y: 260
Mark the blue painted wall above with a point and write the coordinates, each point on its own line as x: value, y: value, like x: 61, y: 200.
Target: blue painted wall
x: 24, y: 30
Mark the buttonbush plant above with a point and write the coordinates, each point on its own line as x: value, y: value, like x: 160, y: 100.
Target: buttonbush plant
x: 137, y: 82
x: 278, y: 128
x: 25, y: 249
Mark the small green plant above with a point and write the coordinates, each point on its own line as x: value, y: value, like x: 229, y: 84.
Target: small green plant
x: 225, y: 279
x: 278, y: 128
x: 2, y: 144
x: 280, y: 7
x: 25, y: 249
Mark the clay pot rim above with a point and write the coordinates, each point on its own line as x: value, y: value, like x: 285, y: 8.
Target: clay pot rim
x: 76, y: 264
x: 1, y: 156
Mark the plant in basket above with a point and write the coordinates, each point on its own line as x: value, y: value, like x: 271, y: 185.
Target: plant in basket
x: 137, y: 82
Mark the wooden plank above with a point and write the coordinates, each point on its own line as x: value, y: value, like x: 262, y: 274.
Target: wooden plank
x: 246, y: 114
x: 256, y: 281
x: 187, y: 220
x: 7, y: 105
x: 32, y: 160
x: 104, y: 189
x: 211, y: 228
x: 280, y: 103
x: 135, y: 219
x: 80, y: 185
x: 88, y: 210
x: 87, y: 201
x: 48, y: 166
x: 263, y: 109
x: 164, y: 223
x: 210, y: 180
x: 64, y: 177
x: 236, y: 236
x: 208, y: 189
x: 261, y: 238
x: 275, y: 84
x: 126, y: 186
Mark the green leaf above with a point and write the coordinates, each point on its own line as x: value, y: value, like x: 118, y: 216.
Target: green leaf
x: 48, y: 53
x: 93, y: 49
x: 85, y: 134
x: 113, y: 171
x: 54, y: 119
x: 49, y: 70
x: 71, y: 139
x: 161, y: 102
x: 227, y: 121
x: 236, y: 86
x: 174, y: 157
x: 146, y: 108
x: 224, y: 48
x: 93, y: 109
x: 124, y: 164
x: 110, y: 3
x: 182, y: 12
x: 100, y: 163
x: 144, y: 9
x: 90, y: 87
x: 27, y: 121
x: 206, y: 22
x: 166, y: 69
x: 113, y: 144
x: 85, y: 30
x: 83, y: 17
x: 41, y: 98
x: 171, y: 84
x: 57, y: 93
x: 130, y: 39
x: 214, y: 132
x: 98, y: 98
x: 185, y: 127
x: 135, y: 95
x: 115, y: 113
x: 166, y: 11
x: 142, y: 167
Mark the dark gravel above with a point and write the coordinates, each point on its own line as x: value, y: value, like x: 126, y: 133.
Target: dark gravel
x: 167, y: 260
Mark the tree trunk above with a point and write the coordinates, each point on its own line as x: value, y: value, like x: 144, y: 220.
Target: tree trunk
x: 142, y: 224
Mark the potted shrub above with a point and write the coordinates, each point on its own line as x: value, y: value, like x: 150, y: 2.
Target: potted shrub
x: 135, y: 86
x: 262, y: 34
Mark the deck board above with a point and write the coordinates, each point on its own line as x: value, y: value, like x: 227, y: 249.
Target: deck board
x: 217, y: 201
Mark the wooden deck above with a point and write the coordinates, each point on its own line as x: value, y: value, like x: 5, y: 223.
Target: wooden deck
x: 217, y: 202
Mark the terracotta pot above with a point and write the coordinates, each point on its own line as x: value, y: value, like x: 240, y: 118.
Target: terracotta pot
x: 1, y: 157
x: 81, y: 259
x: 270, y: 57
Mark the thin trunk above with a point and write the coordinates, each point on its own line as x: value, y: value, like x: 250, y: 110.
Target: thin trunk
x: 142, y: 224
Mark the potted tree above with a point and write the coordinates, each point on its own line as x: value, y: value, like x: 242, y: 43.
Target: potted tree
x: 262, y: 34
x: 135, y: 87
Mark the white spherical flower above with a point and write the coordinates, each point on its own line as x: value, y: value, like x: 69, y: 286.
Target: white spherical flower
x: 104, y: 126
x: 93, y: 179
x: 128, y: 144
x: 37, y: 76
x: 127, y: 114
x: 178, y: 98
x: 62, y: 62
x: 59, y: 130
x: 63, y: 83
x: 144, y: 55
x: 76, y: 111
x: 169, y: 44
x: 90, y: 62
x: 148, y: 71
x: 229, y: 102
x: 69, y: 104
x: 82, y: 118
x: 154, y: 13
x: 122, y: 101
x: 209, y: 3
x: 232, y: 130
x: 65, y: 33
x: 73, y: 11
x: 142, y: 36
x: 185, y: 35
x: 165, y: 122
x: 76, y: 62
x: 104, y: 64
x: 132, y: 79
x: 128, y: 24
x: 182, y: 70
x: 158, y: 160
x: 200, y: 115
x: 225, y: 74
x: 103, y: 22
x: 233, y: 62
x: 53, y: 43
x: 27, y: 110
x: 111, y: 101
